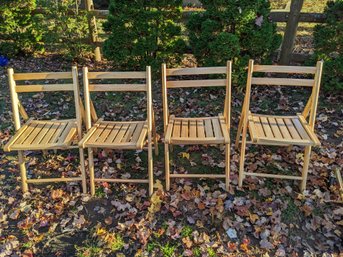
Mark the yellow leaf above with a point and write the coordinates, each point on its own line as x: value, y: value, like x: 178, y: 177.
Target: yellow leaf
x: 185, y: 155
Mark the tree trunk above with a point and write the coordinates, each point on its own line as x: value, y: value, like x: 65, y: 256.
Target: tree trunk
x: 291, y: 31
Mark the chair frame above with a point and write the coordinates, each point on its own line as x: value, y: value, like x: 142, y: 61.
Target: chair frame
x: 18, y: 110
x: 91, y: 115
x: 224, y: 120
x: 310, y: 111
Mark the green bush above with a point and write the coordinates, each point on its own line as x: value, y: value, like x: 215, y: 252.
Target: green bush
x: 144, y: 33
x: 20, y: 30
x: 328, y: 41
x: 233, y: 30
x: 66, y: 28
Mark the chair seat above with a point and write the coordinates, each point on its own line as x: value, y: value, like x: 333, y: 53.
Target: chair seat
x: 43, y: 135
x: 281, y: 130
x: 205, y: 130
x: 116, y: 135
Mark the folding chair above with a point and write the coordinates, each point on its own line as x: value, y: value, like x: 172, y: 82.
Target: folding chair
x: 197, y: 131
x: 124, y: 135
x: 45, y: 134
x: 275, y: 129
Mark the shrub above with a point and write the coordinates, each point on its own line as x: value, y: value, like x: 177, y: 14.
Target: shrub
x: 66, y: 28
x: 328, y: 41
x: 20, y: 30
x: 143, y: 33
x: 233, y: 30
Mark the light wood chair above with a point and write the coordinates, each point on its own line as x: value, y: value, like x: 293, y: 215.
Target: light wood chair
x: 197, y: 131
x: 276, y: 129
x: 45, y: 134
x: 124, y: 135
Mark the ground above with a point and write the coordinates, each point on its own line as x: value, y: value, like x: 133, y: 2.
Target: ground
x: 197, y: 217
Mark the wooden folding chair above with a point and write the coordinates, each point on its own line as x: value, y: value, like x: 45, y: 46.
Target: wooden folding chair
x: 275, y: 129
x: 45, y: 134
x: 124, y: 135
x: 197, y: 131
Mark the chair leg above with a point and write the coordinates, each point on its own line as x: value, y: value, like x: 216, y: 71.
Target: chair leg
x: 21, y: 160
x: 83, y: 170
x: 150, y: 169
x: 154, y: 134
x: 227, y: 167
x: 307, y: 156
x: 91, y: 170
x: 166, y: 163
x: 242, y: 157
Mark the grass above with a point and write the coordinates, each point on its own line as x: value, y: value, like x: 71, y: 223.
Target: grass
x: 291, y: 213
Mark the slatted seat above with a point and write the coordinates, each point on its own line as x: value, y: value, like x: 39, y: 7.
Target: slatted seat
x: 123, y: 135
x: 117, y: 135
x: 278, y: 130
x: 207, y: 130
x: 200, y: 130
x: 275, y: 129
x: 45, y: 134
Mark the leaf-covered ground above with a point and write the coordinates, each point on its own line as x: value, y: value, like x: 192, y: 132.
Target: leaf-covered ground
x: 197, y: 217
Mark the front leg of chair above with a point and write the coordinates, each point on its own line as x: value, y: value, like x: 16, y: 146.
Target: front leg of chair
x: 150, y: 167
x: 23, y: 175
x: 83, y: 170
x: 154, y: 134
x: 307, y: 156
x: 227, y: 167
x: 91, y: 170
x: 242, y: 157
x: 166, y: 164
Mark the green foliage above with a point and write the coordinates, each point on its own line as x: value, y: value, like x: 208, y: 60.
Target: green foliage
x: 186, y: 231
x: 168, y: 250
x: 233, y: 30
x: 66, y: 27
x: 328, y: 41
x: 143, y: 33
x: 20, y: 30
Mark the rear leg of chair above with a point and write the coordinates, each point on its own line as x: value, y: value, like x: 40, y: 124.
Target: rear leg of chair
x: 154, y: 134
x: 242, y: 157
x: 307, y: 156
x: 91, y: 170
x: 83, y: 170
x: 227, y: 167
x: 150, y: 169
x: 21, y: 161
x: 166, y: 163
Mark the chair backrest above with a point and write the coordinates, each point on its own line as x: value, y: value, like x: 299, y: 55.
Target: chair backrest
x: 314, y: 83
x: 16, y: 88
x: 89, y: 77
x: 185, y: 83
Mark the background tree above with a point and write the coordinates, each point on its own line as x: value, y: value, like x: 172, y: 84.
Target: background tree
x: 231, y: 29
x: 328, y: 42
x: 144, y: 33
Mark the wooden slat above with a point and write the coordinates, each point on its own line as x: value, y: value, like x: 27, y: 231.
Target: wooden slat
x: 216, y: 128
x: 196, y: 83
x: 137, y: 132
x: 113, y: 134
x: 200, y: 129
x: 66, y: 133
x: 117, y: 75
x: 282, y: 82
x: 197, y: 141
x: 195, y: 71
x: 121, y: 134
x: 208, y: 128
x: 141, y: 139
x: 272, y: 176
x: 117, y: 87
x: 266, y: 127
x: 45, y: 129
x: 121, y: 180
x: 44, y: 88
x: 282, y: 141
x: 56, y: 180
x: 192, y: 128
x: 105, y: 133
x: 97, y: 133
x: 34, y: 134
x: 184, y: 128
x: 275, y: 128
x: 42, y: 75
x: 46, y: 139
x: 26, y: 133
x: 18, y: 133
x: 258, y: 126
x: 197, y: 175
x: 310, y: 132
x: 177, y: 128
x: 285, y: 69
x: 129, y: 132
x: 302, y: 132
x: 283, y: 128
x: 59, y: 130
x: 292, y: 130
x: 224, y: 129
